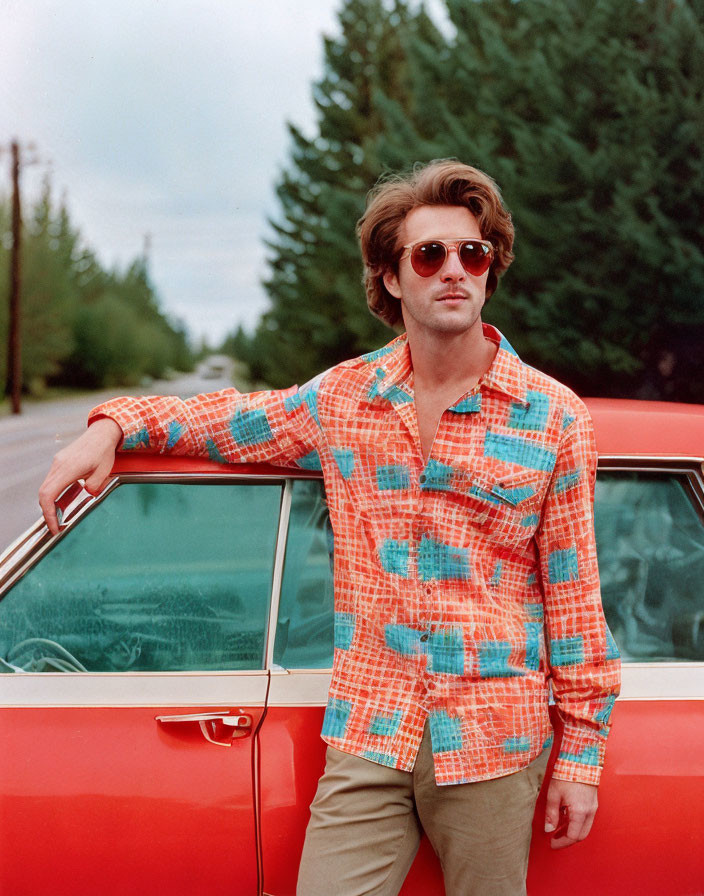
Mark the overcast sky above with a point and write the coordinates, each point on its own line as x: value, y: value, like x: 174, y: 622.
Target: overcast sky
x: 166, y: 118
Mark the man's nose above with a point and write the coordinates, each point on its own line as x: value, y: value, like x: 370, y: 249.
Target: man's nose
x: 452, y: 267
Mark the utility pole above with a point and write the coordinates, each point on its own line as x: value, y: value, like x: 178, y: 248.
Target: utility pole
x: 14, y: 344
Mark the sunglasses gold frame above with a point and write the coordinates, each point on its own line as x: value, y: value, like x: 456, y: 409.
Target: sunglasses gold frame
x: 449, y: 245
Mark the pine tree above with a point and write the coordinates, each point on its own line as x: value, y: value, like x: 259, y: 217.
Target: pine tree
x: 47, y: 298
x: 319, y: 315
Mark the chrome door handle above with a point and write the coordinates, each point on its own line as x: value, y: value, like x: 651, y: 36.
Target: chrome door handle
x: 236, y: 721
x: 239, y: 723
x: 243, y: 721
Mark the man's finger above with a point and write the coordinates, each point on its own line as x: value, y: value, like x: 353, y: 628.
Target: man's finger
x: 49, y: 514
x: 50, y: 490
x: 60, y: 476
x: 566, y: 837
x: 98, y: 479
x: 579, y: 825
x: 552, y: 811
x: 587, y: 825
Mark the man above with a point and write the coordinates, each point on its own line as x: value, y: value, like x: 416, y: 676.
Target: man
x: 460, y: 486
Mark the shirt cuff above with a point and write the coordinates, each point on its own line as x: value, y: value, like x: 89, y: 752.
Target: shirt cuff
x: 581, y: 756
x: 576, y: 772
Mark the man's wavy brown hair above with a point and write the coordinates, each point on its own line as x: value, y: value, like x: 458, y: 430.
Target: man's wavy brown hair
x: 443, y: 182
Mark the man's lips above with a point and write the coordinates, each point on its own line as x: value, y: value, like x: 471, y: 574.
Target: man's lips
x: 452, y: 297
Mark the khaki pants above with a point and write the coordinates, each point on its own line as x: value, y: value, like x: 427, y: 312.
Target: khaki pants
x: 366, y: 822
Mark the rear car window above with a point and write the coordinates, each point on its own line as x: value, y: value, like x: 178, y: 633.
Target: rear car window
x: 650, y: 543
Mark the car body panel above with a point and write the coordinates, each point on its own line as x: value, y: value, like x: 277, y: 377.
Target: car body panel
x: 100, y: 827
x: 108, y: 796
x: 648, y: 835
x: 631, y: 428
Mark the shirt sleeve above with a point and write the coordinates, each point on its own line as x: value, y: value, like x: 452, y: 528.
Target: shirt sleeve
x: 584, y: 659
x: 278, y: 427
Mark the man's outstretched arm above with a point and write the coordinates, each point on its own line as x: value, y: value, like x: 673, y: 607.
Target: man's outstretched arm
x: 279, y: 427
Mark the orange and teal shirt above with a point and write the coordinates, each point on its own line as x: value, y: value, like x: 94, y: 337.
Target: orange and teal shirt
x: 466, y: 586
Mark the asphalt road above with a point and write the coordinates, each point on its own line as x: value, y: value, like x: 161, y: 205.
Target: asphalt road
x: 29, y: 441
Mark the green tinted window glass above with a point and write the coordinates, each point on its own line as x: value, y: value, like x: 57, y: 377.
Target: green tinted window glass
x: 304, y: 636
x: 650, y: 543
x: 158, y: 577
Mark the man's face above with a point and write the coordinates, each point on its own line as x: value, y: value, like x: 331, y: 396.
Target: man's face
x: 450, y: 301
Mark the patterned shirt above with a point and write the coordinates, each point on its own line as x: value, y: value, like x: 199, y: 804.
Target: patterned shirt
x: 465, y: 586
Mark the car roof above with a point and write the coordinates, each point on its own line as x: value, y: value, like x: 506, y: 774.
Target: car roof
x: 647, y: 428
x: 623, y: 427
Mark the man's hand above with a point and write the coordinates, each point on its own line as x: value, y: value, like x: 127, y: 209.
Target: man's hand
x: 89, y: 458
x: 570, y: 811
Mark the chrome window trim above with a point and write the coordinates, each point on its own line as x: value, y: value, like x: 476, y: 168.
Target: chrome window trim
x: 277, y: 578
x: 687, y: 460
x: 641, y: 682
x: 123, y: 689
x: 691, y: 469
x: 300, y: 688
x: 662, y: 681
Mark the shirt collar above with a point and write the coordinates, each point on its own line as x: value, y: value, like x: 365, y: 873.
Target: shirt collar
x: 392, y: 378
x: 507, y: 373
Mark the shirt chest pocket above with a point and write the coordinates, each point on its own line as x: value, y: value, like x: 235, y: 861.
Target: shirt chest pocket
x: 377, y: 467
x: 504, y: 505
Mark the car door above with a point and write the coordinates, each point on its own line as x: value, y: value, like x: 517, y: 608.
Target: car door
x: 134, y: 660
x: 648, y: 836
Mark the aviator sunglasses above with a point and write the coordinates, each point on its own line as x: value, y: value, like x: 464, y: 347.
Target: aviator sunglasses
x: 428, y: 256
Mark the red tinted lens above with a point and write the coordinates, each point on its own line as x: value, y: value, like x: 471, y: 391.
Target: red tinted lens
x: 475, y: 257
x: 428, y: 258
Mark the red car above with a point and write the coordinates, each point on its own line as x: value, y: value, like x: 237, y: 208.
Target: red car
x: 168, y: 657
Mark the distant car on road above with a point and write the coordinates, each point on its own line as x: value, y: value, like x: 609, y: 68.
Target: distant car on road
x: 167, y: 659
x: 214, y: 367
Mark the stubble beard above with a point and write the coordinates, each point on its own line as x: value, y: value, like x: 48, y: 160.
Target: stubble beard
x: 444, y: 323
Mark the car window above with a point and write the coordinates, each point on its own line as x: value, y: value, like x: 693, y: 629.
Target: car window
x: 650, y: 543
x: 158, y: 577
x: 304, y: 635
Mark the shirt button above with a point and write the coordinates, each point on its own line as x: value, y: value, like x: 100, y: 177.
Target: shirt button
x: 422, y: 478
x: 428, y: 589
x: 424, y: 636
